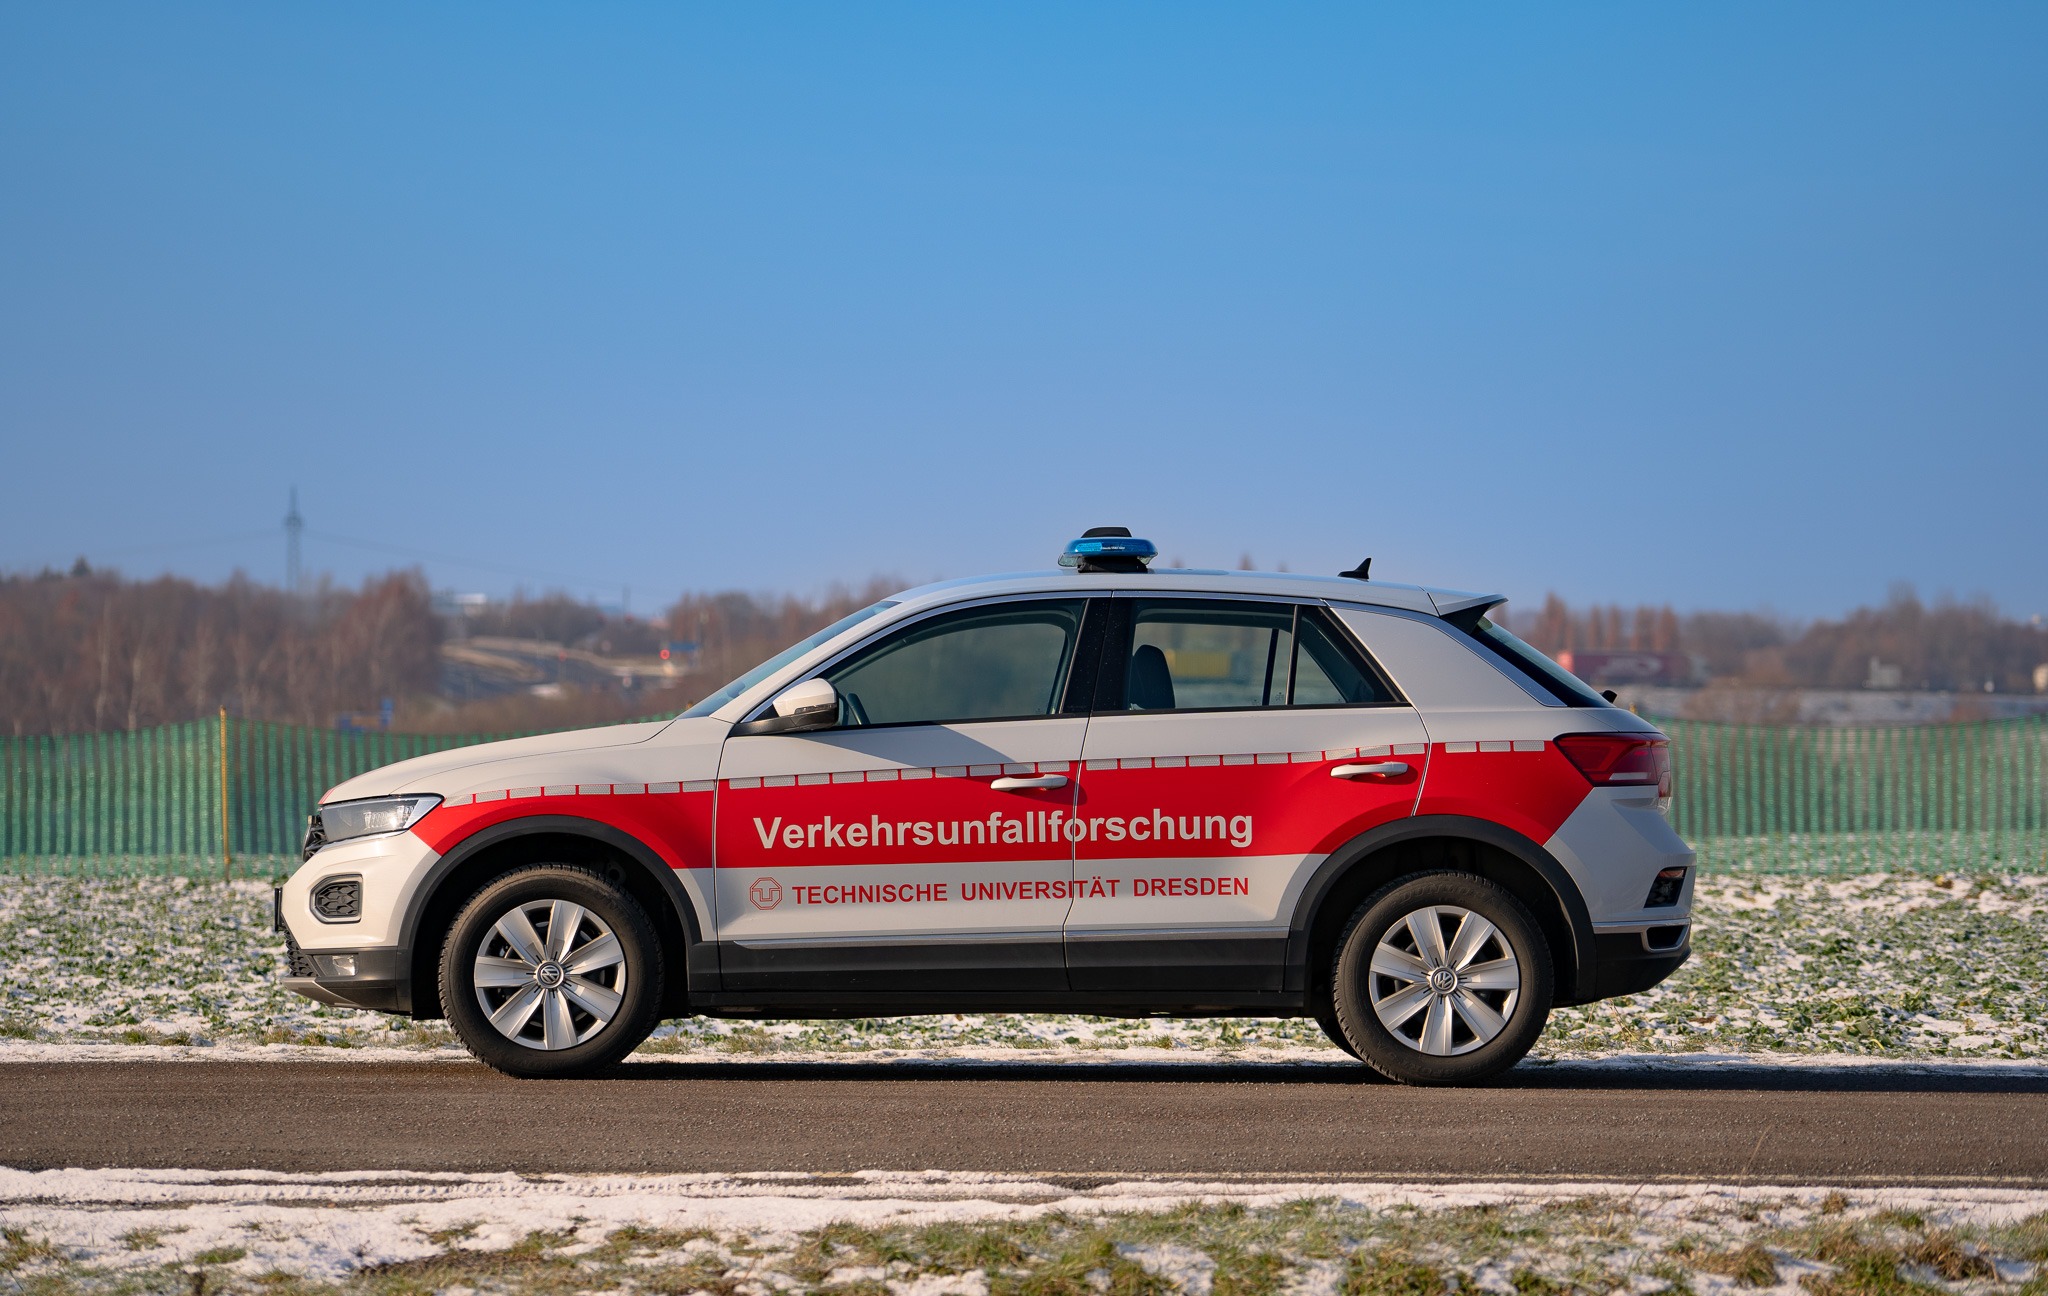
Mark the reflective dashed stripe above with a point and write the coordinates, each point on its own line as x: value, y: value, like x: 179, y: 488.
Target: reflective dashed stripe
x: 1100, y: 763
x: 583, y: 790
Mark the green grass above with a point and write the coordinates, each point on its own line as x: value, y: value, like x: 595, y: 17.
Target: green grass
x: 1886, y: 965
x: 1896, y: 965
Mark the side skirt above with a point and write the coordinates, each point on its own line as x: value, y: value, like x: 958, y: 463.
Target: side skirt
x: 801, y: 1005
x: 830, y: 968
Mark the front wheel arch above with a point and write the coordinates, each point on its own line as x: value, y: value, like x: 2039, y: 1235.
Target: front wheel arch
x: 476, y: 861
x: 1431, y: 843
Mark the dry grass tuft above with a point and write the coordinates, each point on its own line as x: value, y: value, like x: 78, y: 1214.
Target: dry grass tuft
x: 1944, y: 1253
x: 1749, y: 1266
x: 1391, y: 1273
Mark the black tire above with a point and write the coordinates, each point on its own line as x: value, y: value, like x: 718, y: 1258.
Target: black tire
x: 598, y: 1041
x: 1518, y: 995
x: 1326, y: 1017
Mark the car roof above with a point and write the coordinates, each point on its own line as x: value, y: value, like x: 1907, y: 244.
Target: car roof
x: 1187, y: 580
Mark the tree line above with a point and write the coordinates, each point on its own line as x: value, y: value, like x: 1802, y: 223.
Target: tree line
x: 88, y: 650
x: 85, y: 651
x: 1950, y: 645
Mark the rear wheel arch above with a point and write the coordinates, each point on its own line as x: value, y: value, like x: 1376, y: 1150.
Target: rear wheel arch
x: 484, y: 856
x: 1428, y: 843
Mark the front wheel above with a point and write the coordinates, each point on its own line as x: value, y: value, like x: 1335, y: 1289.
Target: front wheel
x: 551, y: 972
x: 1444, y: 978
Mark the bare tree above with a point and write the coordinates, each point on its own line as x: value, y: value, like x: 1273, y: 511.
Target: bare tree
x: 87, y: 650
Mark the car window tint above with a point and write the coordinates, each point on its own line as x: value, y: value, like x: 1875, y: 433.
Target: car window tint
x: 981, y: 664
x: 1325, y: 674
x: 1555, y: 679
x: 1195, y: 655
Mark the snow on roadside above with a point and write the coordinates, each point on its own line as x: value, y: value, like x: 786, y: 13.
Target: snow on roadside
x: 327, y: 1227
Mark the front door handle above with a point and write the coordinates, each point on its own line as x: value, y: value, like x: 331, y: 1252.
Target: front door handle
x: 1371, y: 769
x: 1007, y: 784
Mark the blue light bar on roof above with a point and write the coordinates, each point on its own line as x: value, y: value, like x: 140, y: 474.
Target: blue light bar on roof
x: 1109, y: 553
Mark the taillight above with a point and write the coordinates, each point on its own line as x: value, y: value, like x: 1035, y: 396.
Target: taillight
x: 1620, y: 759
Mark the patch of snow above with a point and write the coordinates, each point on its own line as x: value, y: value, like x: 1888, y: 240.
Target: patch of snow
x: 847, y: 1274
x: 1186, y: 1268
x: 931, y: 1284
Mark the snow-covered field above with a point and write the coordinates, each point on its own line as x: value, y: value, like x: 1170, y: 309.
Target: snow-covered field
x: 994, y: 1235
x: 1890, y: 965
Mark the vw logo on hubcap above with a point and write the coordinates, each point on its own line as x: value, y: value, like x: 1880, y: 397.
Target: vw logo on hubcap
x: 1443, y: 980
x: 549, y: 975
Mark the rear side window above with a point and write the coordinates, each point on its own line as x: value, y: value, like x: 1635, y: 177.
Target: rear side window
x: 1229, y: 655
x: 1548, y: 675
x: 1325, y: 674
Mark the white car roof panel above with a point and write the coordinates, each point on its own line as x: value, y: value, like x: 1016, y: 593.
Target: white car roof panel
x: 1177, y: 580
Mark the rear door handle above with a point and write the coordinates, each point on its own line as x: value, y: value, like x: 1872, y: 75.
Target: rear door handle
x: 1371, y: 769
x: 1007, y: 784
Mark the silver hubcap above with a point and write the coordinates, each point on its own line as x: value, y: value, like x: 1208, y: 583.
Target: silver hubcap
x: 550, y: 974
x: 1444, y: 981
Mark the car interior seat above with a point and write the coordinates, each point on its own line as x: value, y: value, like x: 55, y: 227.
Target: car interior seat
x: 1149, y: 687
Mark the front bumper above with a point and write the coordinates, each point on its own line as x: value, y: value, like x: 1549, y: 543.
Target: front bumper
x: 378, y: 979
x: 357, y: 961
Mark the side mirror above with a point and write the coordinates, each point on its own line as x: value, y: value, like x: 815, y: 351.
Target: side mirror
x: 811, y: 704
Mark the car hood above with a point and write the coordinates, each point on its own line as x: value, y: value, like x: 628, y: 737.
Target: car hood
x: 436, y: 771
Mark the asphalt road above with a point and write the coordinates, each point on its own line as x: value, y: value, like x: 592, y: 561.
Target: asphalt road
x: 1845, y: 1126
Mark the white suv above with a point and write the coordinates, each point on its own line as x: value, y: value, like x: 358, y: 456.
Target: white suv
x: 1106, y: 789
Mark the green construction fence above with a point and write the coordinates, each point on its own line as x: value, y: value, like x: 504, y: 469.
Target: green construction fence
x: 1758, y: 796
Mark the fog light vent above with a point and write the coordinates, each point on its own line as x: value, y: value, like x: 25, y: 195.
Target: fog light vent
x: 1664, y: 892
x: 338, y: 900
x: 297, y: 963
x: 1665, y: 938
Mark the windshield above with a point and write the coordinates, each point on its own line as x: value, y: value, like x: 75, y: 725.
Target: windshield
x: 783, y: 658
x: 1555, y: 679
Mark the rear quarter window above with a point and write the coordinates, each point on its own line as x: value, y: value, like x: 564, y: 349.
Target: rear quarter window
x: 1547, y: 674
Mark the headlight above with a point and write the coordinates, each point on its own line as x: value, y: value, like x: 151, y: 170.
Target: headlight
x: 345, y: 819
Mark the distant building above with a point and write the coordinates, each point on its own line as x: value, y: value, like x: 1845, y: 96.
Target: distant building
x: 1629, y: 666
x: 447, y: 603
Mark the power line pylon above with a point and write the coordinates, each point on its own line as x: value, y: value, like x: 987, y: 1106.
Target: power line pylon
x: 294, y: 525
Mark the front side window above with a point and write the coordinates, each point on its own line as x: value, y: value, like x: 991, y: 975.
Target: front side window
x: 1207, y: 655
x: 1004, y: 662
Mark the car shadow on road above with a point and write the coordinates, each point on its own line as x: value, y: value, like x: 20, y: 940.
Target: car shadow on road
x: 1656, y: 1074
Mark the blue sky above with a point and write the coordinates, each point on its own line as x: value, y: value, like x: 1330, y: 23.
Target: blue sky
x: 1726, y: 306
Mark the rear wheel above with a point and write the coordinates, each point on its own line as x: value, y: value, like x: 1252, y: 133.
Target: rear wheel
x: 1443, y: 978
x: 1326, y: 1017
x: 551, y: 972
